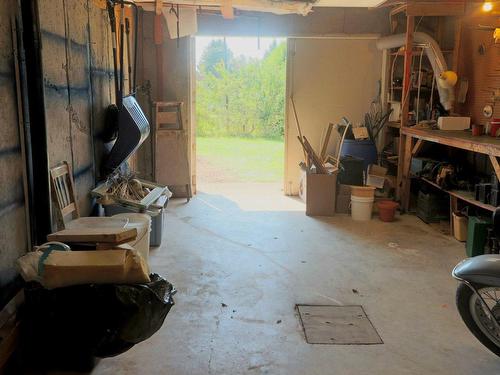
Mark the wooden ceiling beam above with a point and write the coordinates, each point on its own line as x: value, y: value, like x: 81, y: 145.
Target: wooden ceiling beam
x: 435, y: 8
x: 426, y: 8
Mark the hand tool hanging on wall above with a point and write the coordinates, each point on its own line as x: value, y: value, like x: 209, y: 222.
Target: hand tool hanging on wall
x: 176, y: 13
x: 111, y: 122
x: 122, y: 37
x: 111, y: 128
x: 132, y: 67
x: 127, y: 122
x: 127, y: 32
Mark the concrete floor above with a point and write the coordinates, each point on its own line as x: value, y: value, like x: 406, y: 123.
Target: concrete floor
x: 254, y: 250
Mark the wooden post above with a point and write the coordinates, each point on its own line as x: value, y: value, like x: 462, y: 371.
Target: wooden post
x: 405, y: 145
x: 158, y: 38
x: 496, y: 166
x: 453, y: 208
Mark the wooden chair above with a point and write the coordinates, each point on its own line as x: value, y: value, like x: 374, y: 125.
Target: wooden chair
x: 63, y: 189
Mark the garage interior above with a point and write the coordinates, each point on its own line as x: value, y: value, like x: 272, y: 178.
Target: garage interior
x: 391, y: 180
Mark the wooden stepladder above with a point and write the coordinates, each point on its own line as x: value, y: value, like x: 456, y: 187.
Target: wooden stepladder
x: 171, y: 157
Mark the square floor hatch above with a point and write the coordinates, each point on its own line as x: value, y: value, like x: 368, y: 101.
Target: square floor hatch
x: 340, y: 325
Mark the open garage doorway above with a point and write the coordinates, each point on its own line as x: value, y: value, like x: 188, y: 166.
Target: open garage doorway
x: 240, y: 112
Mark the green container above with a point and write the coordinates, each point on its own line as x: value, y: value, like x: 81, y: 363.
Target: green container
x: 432, y: 208
x: 477, y: 232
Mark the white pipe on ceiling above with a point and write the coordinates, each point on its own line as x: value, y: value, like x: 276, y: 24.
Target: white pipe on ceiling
x: 435, y: 56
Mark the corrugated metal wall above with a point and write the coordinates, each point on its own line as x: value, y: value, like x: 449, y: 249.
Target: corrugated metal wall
x: 13, y: 233
x: 76, y: 64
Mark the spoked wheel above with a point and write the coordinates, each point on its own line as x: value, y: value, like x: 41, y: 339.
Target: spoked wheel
x: 478, y: 320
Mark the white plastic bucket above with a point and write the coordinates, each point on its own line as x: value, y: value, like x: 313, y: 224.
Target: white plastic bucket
x: 361, y: 208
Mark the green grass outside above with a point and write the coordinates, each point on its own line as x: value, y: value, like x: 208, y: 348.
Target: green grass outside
x: 249, y: 159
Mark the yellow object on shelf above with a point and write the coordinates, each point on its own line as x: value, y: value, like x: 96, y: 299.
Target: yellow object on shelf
x: 460, y: 223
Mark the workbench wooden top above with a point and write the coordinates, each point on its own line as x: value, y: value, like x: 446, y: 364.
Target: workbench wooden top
x: 457, y: 138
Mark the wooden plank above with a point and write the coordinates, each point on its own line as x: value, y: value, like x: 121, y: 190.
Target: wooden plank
x: 398, y: 9
x: 299, y: 131
x: 97, y: 235
x: 435, y: 8
x: 496, y: 166
x: 227, y: 10
x: 320, y: 168
x: 20, y: 119
x: 9, y: 328
x: 307, y: 160
x: 172, y: 165
x: 417, y: 147
x: 405, y: 196
x: 456, y: 48
x: 459, y: 139
x: 453, y: 208
x: 166, y: 118
x: 152, y: 196
x: 68, y: 209
x: 401, y: 183
x: 10, y: 309
x: 9, y: 339
x: 326, y: 141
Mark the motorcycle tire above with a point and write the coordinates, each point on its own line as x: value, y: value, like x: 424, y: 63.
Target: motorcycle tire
x: 463, y: 296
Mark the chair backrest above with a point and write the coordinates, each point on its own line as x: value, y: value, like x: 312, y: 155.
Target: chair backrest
x: 64, y: 190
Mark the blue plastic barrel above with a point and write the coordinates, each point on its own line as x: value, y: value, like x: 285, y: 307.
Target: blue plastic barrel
x: 364, y: 149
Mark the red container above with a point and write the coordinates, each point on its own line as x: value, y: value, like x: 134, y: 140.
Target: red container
x: 495, y: 127
x: 387, y: 210
x: 477, y: 130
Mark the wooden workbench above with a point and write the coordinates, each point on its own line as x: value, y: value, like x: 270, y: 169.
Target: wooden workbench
x: 459, y: 139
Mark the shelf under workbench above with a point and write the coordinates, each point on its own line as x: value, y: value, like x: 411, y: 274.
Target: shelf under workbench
x: 459, y: 139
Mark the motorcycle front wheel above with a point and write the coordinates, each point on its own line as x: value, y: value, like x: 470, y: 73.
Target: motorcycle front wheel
x: 476, y: 318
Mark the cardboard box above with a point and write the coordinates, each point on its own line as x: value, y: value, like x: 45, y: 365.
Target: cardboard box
x: 376, y: 176
x: 320, y: 194
x: 453, y: 123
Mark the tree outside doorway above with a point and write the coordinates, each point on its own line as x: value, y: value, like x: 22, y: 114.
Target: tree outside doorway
x: 240, y: 109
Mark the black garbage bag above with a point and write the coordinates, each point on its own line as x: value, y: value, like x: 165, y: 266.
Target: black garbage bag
x: 80, y: 322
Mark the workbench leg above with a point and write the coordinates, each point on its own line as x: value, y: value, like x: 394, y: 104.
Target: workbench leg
x: 496, y: 166
x: 401, y: 155
x: 453, y: 208
x: 406, y: 178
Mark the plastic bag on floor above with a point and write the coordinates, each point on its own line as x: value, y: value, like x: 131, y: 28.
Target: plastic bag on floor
x: 93, y: 320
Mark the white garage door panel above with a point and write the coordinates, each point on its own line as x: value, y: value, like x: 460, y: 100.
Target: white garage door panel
x: 328, y: 78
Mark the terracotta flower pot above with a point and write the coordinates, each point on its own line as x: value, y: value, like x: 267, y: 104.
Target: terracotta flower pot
x: 387, y: 210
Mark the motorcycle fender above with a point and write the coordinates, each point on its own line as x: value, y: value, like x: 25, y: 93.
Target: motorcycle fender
x: 480, y: 270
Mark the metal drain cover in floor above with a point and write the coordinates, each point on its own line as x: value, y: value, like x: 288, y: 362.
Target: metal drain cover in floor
x: 341, y: 325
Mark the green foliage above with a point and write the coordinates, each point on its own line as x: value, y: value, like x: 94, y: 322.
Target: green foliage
x: 214, y: 55
x: 244, y: 159
x: 241, y: 97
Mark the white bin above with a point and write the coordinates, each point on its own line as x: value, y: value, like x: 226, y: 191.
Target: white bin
x: 361, y: 208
